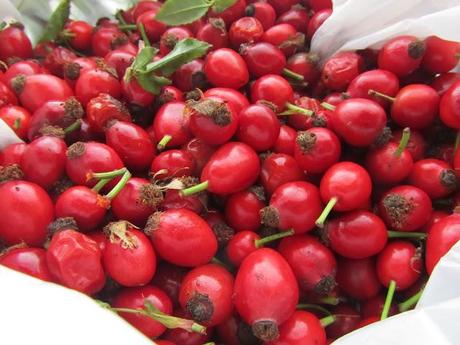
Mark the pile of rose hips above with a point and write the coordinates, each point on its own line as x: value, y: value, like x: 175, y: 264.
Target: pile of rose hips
x: 241, y: 193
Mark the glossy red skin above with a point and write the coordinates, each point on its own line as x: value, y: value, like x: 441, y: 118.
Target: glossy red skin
x: 416, y: 145
x: 41, y: 88
x: 442, y: 236
x: 120, y: 60
x: 356, y: 235
x: 29, y: 210
x: 104, y: 38
x: 300, y: 121
x: 435, y: 217
x: 272, y: 88
x: 312, y: 263
x: 358, y: 278
x: 341, y: 69
x: 144, y: 6
x: 80, y: 63
x: 359, y: 121
x: 12, y: 115
x: 181, y: 231
x: 265, y: 274
x: 213, y: 34
x: 200, y: 152
x: 242, y: 211
x: 394, y: 56
x: 298, y: 205
x: 325, y: 152
x: 449, y: 109
x: 83, y: 32
x: 74, y: 260
x: 417, y: 217
x: 7, y: 97
x: 177, y: 163
x: 12, y: 154
x: 399, y: 261
x: 245, y: 30
x: 347, y: 181
x: 175, y: 33
x: 83, y: 204
x: 317, y: 20
x: 99, y: 238
x: 204, y: 127
x: 128, y: 204
x: 232, y: 168
x: 153, y: 28
x: 97, y: 157
x: 406, y: 111
x: 318, y: 5
x: 189, y: 76
x: 93, y: 82
x: 387, y: 168
x: 297, y: 17
x: 169, y: 120
x: 31, y: 261
x: 286, y: 140
x: 264, y: 12
x: 263, y: 58
x: 133, y: 93
x: 305, y: 64
x: 378, y: 80
x: 347, y: 320
x: 44, y: 160
x: 258, y: 127
x: 302, y: 328
x: 216, y: 283
x: 440, y: 55
x: 26, y: 67
x: 135, y: 298
x: 282, y: 6
x: 55, y: 61
x: 168, y: 278
x: 171, y: 93
x: 444, y: 81
x: 234, y: 97
x: 14, y: 43
x: 240, y: 246
x: 174, y: 200
x: 374, y: 306
x: 132, y: 266
x: 231, y: 14
x: 280, y: 33
x: 226, y: 68
x: 228, y: 331
x: 277, y: 169
x: 132, y: 143
x: 427, y: 175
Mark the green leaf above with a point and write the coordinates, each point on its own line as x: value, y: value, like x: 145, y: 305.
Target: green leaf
x: 151, y: 83
x: 185, y: 51
x: 144, y: 57
x: 57, y: 21
x: 222, y: 5
x: 177, y: 12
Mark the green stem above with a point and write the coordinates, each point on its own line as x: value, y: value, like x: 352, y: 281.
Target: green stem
x: 293, y: 75
x: 293, y: 109
x: 17, y: 123
x: 403, y: 142
x: 457, y: 56
x: 381, y: 95
x: 388, y: 300
x: 329, y: 300
x: 109, y: 174
x: 163, y: 142
x: 144, y: 35
x: 328, y: 320
x: 127, y: 27
x: 410, y: 302
x: 101, y: 184
x: 73, y: 127
x: 322, y: 218
x: 260, y: 243
x: 403, y: 234
x: 195, y: 189
x: 119, y: 186
x: 328, y: 106
x: 457, y: 142
x: 119, y: 17
x: 313, y: 307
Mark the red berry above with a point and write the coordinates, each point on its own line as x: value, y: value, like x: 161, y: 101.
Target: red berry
x: 263, y: 58
x: 274, y: 89
x: 170, y: 120
x: 230, y: 14
x: 106, y: 39
x: 81, y: 33
x: 305, y: 64
x: 341, y: 69
x: 93, y: 82
x: 347, y: 320
x: 245, y: 30
x: 277, y: 169
x: 171, y: 36
x: 12, y: 154
x: 286, y: 140
x: 297, y: 17
x: 31, y: 261
x: 153, y: 28
x: 214, y: 32
x: 285, y: 37
x: 433, y: 176
x: 234, y: 97
x: 358, y: 278
x: 120, y: 59
x: 444, y: 81
x: 317, y: 20
x: 240, y: 246
x: 17, y: 118
x: 449, y: 109
x: 262, y: 11
x: 190, y: 76
x: 168, y: 278
x: 226, y: 68
x: 242, y: 210
x: 440, y: 55
x: 14, y: 43
x: 173, y: 163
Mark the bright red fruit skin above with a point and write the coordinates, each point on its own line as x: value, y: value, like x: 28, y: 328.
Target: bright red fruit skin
x: 131, y: 260
x: 170, y: 120
x: 168, y: 277
x: 82, y: 32
x: 356, y: 235
x: 449, y: 107
x: 190, y: 76
x: 433, y: 176
x: 7, y: 96
x: 135, y: 298
x: 341, y: 69
x: 234, y: 97
x: 226, y: 68
x: 213, y: 32
x: 74, y: 260
x: 442, y: 236
x: 17, y: 118
x: 264, y: 12
x: 14, y: 43
x: 171, y: 36
x: 285, y: 35
x: 277, y: 169
x: 272, y: 88
x: 153, y: 28
x: 31, y: 261
x: 95, y: 81
x: 231, y: 13
x: 302, y: 328
x: 286, y: 140
x: 179, y: 231
x: 317, y: 20
x: 240, y: 246
x: 314, y: 265
x: 26, y: 67
x: 263, y: 58
x: 209, y: 287
x: 232, y: 168
x: 173, y: 163
x: 297, y: 17
x: 358, y: 278
x: 12, y: 154
x: 242, y: 210
x: 440, y: 55
x: 29, y: 210
x: 264, y: 275
x: 347, y: 320
x: 245, y: 30
x: 103, y: 109
x: 444, y: 81
x: 305, y: 64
